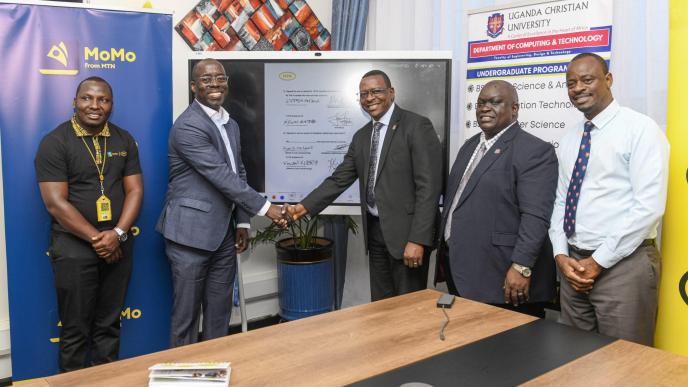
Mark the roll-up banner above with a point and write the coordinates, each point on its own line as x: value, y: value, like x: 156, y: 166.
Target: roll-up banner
x: 45, y: 51
x: 530, y: 46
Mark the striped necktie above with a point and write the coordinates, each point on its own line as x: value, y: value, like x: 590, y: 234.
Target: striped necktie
x: 372, y: 165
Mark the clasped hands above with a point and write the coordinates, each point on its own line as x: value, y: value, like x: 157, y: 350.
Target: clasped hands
x: 106, y: 245
x: 580, y: 274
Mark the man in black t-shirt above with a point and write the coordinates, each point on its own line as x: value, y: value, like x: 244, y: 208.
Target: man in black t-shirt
x: 90, y: 180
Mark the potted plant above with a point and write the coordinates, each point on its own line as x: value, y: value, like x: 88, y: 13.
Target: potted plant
x: 304, y: 265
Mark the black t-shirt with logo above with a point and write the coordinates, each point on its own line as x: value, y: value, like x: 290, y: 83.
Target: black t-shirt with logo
x: 62, y: 157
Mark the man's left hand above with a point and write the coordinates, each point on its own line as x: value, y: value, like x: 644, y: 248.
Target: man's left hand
x: 516, y: 288
x: 241, y: 240
x: 105, y: 242
x: 413, y: 255
x: 592, y: 268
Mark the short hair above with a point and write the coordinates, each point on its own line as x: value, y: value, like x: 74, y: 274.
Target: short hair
x: 513, y: 94
x: 381, y: 73
x: 93, y: 79
x: 599, y: 59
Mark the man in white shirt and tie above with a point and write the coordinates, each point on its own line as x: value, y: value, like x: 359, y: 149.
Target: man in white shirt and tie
x: 207, y: 195
x: 611, y: 196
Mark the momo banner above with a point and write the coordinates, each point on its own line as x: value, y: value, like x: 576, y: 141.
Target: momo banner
x: 45, y: 51
x: 530, y: 46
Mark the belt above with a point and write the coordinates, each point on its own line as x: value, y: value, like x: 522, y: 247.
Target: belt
x: 587, y: 253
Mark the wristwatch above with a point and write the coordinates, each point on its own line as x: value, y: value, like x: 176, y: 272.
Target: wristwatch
x: 524, y: 270
x: 121, y: 234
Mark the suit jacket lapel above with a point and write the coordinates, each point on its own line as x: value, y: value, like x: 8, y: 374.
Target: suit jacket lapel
x: 391, y: 129
x: 459, y: 167
x: 495, y: 152
x: 214, y: 133
x: 365, y: 149
x: 231, y: 135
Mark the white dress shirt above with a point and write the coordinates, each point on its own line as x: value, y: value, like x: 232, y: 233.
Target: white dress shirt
x: 384, y: 120
x: 623, y: 194
x: 220, y: 118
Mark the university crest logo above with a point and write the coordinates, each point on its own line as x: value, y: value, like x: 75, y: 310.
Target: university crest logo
x: 495, y: 25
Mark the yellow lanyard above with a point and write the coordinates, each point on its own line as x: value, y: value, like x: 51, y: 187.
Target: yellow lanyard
x: 98, y: 158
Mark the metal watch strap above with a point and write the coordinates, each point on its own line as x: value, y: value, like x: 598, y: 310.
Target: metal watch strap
x: 121, y: 234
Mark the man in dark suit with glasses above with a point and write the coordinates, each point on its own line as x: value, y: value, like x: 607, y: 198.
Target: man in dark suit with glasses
x: 397, y: 158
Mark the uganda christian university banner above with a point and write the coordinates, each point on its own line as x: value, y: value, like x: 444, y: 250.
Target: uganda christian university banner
x: 530, y: 46
x: 44, y: 52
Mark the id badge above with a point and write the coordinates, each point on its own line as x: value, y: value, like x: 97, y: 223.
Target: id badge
x: 103, y: 209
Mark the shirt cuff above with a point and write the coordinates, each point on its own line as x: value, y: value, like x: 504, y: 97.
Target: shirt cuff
x: 605, y: 257
x: 244, y: 225
x: 560, y: 246
x: 265, y: 208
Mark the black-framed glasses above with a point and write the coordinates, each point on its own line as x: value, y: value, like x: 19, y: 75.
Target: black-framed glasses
x: 376, y: 93
x: 219, y: 79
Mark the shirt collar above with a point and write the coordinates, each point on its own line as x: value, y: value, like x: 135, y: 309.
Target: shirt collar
x: 81, y: 132
x: 387, y: 116
x: 493, y: 140
x: 219, y: 117
x: 606, y: 115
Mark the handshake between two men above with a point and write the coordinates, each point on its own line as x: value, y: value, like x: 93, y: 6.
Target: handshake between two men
x: 286, y: 214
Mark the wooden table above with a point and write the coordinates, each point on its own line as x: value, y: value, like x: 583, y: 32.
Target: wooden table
x: 358, y: 343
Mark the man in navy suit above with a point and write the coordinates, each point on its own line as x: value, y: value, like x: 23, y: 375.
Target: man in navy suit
x: 206, y: 195
x: 498, y: 203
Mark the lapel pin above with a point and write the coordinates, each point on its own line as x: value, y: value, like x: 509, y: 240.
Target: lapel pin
x: 497, y: 151
x: 394, y: 127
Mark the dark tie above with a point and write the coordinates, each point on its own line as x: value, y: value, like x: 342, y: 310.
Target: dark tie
x: 576, y: 180
x: 462, y: 184
x: 370, y: 187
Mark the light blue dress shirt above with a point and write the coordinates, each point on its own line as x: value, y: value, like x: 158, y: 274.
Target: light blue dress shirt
x: 623, y: 194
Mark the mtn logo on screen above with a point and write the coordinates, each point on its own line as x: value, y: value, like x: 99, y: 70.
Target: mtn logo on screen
x: 287, y: 76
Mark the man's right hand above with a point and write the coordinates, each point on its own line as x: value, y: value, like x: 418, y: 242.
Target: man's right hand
x: 574, y: 272
x: 114, y: 257
x: 296, y: 211
x: 278, y: 214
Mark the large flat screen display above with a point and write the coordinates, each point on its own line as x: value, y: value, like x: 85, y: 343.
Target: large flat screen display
x: 298, y: 113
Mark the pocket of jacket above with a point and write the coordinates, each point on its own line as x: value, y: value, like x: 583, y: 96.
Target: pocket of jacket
x: 504, y: 239
x: 195, y: 204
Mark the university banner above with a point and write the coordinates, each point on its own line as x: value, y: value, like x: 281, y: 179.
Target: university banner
x: 530, y: 46
x: 45, y: 51
x: 672, y: 321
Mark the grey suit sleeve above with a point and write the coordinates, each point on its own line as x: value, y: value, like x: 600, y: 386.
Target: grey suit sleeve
x: 194, y: 146
x: 536, y: 182
x: 343, y: 176
x: 426, y: 154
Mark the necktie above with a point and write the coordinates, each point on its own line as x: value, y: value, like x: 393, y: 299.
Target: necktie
x: 462, y: 185
x: 577, y: 180
x: 372, y: 165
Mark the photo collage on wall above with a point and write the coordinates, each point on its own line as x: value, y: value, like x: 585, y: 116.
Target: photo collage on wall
x: 253, y: 25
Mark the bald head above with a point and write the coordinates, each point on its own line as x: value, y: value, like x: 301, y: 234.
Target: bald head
x: 209, y: 83
x: 199, y: 68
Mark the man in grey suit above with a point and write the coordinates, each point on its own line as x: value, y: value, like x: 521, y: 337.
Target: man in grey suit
x: 498, y: 204
x: 397, y: 159
x: 207, y: 193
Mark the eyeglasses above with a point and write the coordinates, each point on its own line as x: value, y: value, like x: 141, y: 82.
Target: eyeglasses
x: 219, y: 79
x: 376, y: 93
